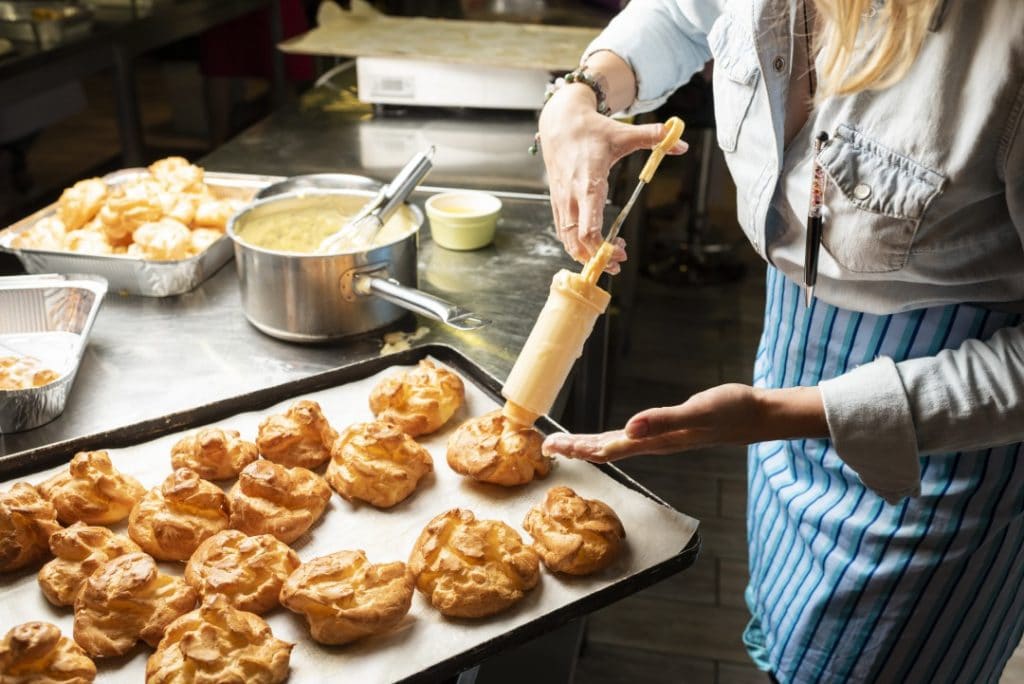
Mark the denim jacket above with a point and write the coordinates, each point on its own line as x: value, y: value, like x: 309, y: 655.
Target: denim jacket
x: 924, y: 204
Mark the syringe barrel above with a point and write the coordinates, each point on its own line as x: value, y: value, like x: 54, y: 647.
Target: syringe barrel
x: 554, y: 344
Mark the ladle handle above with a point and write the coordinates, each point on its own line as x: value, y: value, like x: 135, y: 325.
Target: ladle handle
x: 399, y: 189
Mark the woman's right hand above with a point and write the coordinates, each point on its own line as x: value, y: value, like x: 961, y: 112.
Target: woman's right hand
x: 580, y: 146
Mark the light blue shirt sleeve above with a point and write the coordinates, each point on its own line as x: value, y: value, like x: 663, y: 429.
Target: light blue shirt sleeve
x: 664, y: 41
x: 883, y: 415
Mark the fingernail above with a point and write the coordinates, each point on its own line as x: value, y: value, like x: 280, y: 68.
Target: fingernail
x: 637, y: 429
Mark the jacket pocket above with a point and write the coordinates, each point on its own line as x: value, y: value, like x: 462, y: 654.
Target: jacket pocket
x: 875, y: 202
x: 735, y: 78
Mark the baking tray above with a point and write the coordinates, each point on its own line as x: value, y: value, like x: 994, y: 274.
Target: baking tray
x: 448, y: 664
x: 48, y: 317
x: 132, y: 275
x: 46, y: 24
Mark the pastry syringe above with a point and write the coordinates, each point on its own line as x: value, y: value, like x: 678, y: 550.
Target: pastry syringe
x: 568, y: 316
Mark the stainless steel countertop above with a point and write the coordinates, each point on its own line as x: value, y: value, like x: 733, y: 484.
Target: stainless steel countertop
x: 327, y: 131
x: 148, y: 357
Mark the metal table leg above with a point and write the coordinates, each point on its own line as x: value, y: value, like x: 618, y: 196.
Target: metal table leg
x: 129, y: 121
x: 278, y: 92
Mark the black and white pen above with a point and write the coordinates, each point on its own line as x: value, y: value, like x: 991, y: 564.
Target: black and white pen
x: 814, y: 220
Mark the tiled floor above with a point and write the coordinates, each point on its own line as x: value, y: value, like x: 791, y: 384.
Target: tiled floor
x: 683, y: 339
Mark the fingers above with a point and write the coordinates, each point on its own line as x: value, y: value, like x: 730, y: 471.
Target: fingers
x: 627, y: 139
x: 565, y: 224
x: 557, y: 216
x: 591, y: 193
x: 660, y: 420
x: 586, y: 447
x: 616, y: 445
x: 618, y: 256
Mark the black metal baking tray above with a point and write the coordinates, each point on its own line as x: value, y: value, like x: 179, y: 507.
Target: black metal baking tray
x: 34, y: 460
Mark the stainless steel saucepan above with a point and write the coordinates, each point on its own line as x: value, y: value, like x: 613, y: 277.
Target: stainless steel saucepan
x: 319, y: 297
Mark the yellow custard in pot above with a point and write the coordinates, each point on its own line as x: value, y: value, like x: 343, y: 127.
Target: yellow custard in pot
x: 300, y: 228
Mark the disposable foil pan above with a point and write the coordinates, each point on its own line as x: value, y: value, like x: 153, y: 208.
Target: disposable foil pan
x: 47, y: 24
x: 48, y: 317
x: 133, y: 275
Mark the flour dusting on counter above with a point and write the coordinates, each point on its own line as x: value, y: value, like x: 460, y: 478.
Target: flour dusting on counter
x: 395, y: 342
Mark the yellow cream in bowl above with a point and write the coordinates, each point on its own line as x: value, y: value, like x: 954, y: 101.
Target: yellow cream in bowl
x: 301, y: 224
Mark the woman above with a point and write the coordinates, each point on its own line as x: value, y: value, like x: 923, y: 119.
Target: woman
x: 886, y: 479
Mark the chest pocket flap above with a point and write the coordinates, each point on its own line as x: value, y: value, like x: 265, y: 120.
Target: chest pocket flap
x: 736, y: 74
x: 875, y: 202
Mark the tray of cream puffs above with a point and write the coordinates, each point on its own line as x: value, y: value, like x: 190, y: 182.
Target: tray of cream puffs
x: 156, y: 231
x: 380, y: 522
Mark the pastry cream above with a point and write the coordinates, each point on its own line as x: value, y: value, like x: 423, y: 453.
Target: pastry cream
x: 554, y: 344
x: 301, y: 230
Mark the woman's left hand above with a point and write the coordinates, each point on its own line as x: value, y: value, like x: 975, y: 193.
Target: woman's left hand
x: 727, y: 414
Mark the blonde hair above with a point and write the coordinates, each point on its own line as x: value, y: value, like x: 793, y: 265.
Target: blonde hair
x: 864, y: 46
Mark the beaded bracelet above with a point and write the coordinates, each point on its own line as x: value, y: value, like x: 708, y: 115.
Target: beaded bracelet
x: 577, y: 76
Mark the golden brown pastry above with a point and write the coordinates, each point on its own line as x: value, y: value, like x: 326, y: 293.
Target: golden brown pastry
x: 214, y: 453
x: 172, y: 520
x: 92, y: 491
x: 24, y: 372
x: 79, y: 551
x: 472, y: 568
x: 214, y: 213
x: 377, y: 463
x: 202, y: 238
x: 418, y: 400
x: 249, y: 571
x: 271, y: 499
x: 125, y: 600
x: 37, y: 653
x: 177, y: 175
x: 345, y: 597
x: 46, y: 233
x: 129, y: 206
x: 574, y: 535
x: 94, y: 218
x: 492, y: 449
x: 26, y: 522
x: 80, y: 203
x: 301, y: 436
x: 87, y: 242
x: 164, y: 240
x: 180, y: 207
x: 217, y: 644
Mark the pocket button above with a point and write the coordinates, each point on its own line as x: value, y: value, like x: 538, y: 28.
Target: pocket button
x: 862, y: 191
x: 779, y: 64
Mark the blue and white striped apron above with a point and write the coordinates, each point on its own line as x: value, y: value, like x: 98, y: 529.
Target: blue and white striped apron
x: 844, y: 587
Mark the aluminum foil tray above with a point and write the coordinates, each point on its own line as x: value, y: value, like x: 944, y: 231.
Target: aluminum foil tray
x: 132, y: 275
x: 48, y: 317
x: 47, y: 24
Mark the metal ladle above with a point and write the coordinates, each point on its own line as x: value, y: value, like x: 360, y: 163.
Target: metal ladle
x: 362, y: 229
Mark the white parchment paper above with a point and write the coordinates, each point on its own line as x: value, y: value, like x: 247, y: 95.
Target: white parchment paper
x: 654, y: 533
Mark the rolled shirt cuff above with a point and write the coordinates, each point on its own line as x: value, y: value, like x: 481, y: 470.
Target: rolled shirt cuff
x: 648, y: 96
x: 872, y: 428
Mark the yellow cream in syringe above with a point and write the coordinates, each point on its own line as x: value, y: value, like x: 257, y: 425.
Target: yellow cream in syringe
x: 568, y: 317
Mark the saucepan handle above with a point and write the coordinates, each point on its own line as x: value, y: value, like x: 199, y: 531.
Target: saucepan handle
x: 415, y: 300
